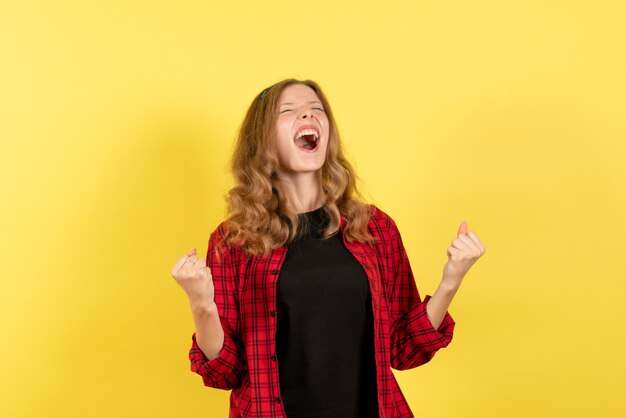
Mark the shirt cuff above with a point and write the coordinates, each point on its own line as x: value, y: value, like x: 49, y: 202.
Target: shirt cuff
x: 420, y: 327
x: 215, y: 370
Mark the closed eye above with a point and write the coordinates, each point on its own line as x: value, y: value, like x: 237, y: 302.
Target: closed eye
x: 289, y: 110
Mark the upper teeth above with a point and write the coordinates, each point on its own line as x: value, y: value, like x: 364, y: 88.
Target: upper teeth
x: 307, y: 132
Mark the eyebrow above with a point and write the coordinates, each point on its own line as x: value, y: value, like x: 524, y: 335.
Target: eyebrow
x: 289, y: 103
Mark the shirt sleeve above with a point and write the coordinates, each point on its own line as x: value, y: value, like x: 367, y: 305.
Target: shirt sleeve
x: 414, y: 340
x: 226, y: 370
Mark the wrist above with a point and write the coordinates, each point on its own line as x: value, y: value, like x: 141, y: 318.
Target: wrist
x: 204, y: 307
x: 450, y: 283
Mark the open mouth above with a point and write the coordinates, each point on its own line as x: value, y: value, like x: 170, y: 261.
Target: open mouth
x: 307, y: 139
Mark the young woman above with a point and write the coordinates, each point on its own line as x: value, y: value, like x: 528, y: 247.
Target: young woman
x: 306, y: 299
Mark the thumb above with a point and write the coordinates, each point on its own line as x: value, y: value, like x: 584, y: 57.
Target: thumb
x: 463, y: 228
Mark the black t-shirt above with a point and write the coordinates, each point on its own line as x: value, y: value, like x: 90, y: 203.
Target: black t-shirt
x: 325, y: 333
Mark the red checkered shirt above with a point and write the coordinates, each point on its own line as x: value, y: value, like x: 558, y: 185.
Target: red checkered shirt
x: 245, y: 295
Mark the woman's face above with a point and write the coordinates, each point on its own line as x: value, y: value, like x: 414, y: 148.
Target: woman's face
x: 302, y: 131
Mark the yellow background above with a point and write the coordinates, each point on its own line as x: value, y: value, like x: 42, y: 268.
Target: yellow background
x: 117, y: 121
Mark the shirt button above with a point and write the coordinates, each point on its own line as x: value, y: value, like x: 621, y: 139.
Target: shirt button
x: 277, y: 400
x: 272, y: 313
x: 273, y: 358
x: 275, y: 271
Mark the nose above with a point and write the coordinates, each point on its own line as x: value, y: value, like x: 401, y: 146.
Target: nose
x: 306, y: 114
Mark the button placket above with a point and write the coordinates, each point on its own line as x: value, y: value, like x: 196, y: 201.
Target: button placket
x: 272, y: 323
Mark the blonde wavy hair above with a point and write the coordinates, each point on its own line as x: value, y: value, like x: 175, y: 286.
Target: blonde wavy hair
x: 259, y: 216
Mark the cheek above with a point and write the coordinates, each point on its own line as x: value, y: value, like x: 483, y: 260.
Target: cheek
x: 326, y: 148
x: 326, y: 127
x: 283, y: 143
x: 283, y: 146
x: 283, y: 131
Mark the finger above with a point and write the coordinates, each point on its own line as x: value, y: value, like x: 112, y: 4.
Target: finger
x: 474, y: 237
x: 462, y: 228
x: 191, y: 252
x: 470, y: 243
x: 179, y: 264
x: 199, y: 263
x: 461, y: 245
x: 454, y: 252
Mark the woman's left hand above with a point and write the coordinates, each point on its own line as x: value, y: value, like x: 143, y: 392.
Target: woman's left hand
x: 465, y: 250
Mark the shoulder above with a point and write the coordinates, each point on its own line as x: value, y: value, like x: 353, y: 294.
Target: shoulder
x: 381, y: 224
x: 219, y: 233
x: 220, y: 230
x: 224, y: 240
x: 220, y: 245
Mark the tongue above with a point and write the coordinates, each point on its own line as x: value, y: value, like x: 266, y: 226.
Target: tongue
x: 306, y: 142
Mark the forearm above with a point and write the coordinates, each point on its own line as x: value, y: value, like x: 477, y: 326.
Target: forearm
x: 440, y: 301
x: 209, y: 332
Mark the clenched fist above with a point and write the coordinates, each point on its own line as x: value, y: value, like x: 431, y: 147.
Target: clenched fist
x: 463, y: 252
x: 193, y: 275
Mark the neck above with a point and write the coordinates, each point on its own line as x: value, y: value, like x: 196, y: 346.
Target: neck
x: 303, y: 192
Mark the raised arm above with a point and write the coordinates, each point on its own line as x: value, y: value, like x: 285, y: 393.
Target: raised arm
x: 194, y: 277
x: 216, y: 352
x: 463, y: 252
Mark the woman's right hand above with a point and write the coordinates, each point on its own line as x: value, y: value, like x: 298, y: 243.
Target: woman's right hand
x: 193, y: 275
